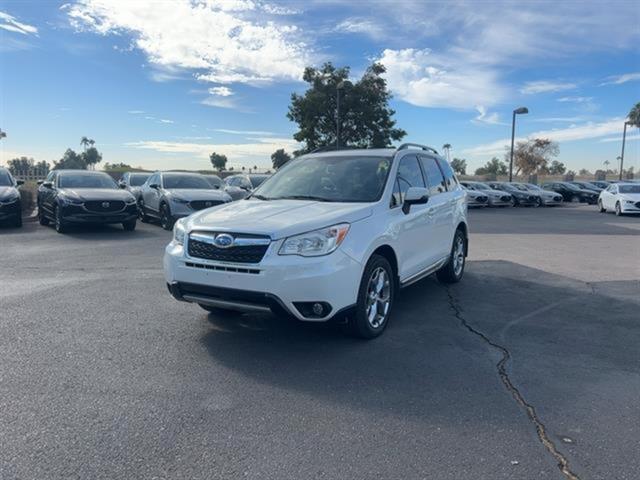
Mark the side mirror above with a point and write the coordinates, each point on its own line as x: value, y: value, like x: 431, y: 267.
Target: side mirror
x: 155, y: 186
x: 122, y: 185
x: 47, y: 184
x: 415, y: 196
x: 19, y: 182
x: 40, y: 182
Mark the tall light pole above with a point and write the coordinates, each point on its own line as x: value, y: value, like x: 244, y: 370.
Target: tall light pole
x: 517, y: 111
x: 621, y: 157
x: 339, y: 87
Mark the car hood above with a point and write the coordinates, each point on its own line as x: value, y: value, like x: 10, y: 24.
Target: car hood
x: 584, y: 191
x: 476, y: 194
x: 88, y: 194
x: 6, y: 192
x: 198, y: 194
x: 634, y: 197
x: 277, y: 218
x: 494, y: 193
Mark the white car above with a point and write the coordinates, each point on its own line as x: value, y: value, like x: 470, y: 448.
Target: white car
x: 330, y: 235
x: 476, y: 199
x: 621, y: 198
x: 496, y: 198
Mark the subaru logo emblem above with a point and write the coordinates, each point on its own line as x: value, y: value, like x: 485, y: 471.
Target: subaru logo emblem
x: 208, y: 204
x: 105, y: 204
x: 223, y: 240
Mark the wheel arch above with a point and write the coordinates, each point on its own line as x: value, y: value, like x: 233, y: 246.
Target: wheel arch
x: 464, y: 228
x: 389, y: 253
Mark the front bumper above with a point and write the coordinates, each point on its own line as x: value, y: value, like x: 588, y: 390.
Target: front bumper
x: 630, y: 207
x: 276, y: 283
x: 78, y: 214
x: 10, y: 211
x: 550, y: 201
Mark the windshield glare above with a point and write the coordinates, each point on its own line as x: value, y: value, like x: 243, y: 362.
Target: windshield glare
x: 137, y: 180
x: 5, y: 180
x: 331, y: 179
x: 257, y: 180
x: 176, y: 182
x: 86, y: 180
x: 629, y: 188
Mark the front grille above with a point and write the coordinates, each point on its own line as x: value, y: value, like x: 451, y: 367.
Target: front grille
x: 222, y: 268
x: 557, y: 199
x: 532, y: 198
x: 481, y: 199
x: 234, y: 254
x: 104, y: 206
x: 200, y: 204
x: 504, y: 198
x: 638, y: 204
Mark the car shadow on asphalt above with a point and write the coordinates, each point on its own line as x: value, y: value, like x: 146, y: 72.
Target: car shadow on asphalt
x: 105, y: 233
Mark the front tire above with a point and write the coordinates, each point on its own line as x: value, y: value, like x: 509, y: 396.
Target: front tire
x: 375, y: 299
x: 618, y: 209
x: 129, y: 226
x: 141, y: 214
x: 61, y: 227
x: 166, y: 220
x: 42, y: 219
x: 539, y: 203
x: 453, y: 271
x: 574, y: 199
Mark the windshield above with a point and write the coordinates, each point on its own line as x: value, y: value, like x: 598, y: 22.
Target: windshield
x: 137, y: 179
x: 5, y: 180
x: 330, y: 179
x: 571, y: 186
x: 629, y: 188
x: 214, y: 181
x: 86, y: 180
x: 256, y: 180
x: 531, y: 186
x: 482, y: 186
x: 508, y: 186
x: 185, y: 181
x: 521, y: 187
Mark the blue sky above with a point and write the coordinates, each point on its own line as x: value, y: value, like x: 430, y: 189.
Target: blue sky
x: 162, y: 84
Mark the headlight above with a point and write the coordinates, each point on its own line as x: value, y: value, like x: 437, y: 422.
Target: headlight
x: 179, y: 200
x: 71, y: 201
x: 179, y: 231
x: 9, y: 200
x: 130, y: 201
x: 316, y: 243
x: 629, y: 201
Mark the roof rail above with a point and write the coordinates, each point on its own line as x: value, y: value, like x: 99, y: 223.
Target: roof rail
x: 417, y: 145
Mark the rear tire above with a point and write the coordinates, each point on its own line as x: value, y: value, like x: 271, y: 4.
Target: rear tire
x: 375, y: 299
x: 453, y: 271
x: 166, y: 220
x: 601, y: 207
x: 574, y: 199
x: 129, y: 226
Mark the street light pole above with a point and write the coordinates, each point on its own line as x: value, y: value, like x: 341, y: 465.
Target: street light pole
x: 624, y: 137
x: 517, y: 111
x: 338, y: 115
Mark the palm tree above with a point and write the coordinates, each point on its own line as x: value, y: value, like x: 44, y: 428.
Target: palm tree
x: 84, y: 141
x: 2, y: 134
x: 447, y: 148
x: 92, y: 142
x: 634, y: 116
x: 255, y: 169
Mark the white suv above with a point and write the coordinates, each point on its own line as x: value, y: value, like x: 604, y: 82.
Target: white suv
x: 331, y: 234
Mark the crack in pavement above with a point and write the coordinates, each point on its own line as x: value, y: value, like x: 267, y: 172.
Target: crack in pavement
x: 501, y: 366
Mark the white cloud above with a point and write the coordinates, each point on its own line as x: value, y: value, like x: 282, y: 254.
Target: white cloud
x: 216, y: 39
x: 485, y: 117
x: 260, y: 149
x: 427, y: 80
x: 619, y: 79
x: 165, y: 120
x: 9, y: 23
x: 575, y: 99
x: 135, y: 112
x: 630, y: 138
x: 545, y: 86
x: 221, y: 91
x: 575, y: 132
x: 361, y: 25
x: 243, y: 132
x: 220, y: 102
x: 558, y: 119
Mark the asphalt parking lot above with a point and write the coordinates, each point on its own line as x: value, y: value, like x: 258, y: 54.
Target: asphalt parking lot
x: 530, y: 362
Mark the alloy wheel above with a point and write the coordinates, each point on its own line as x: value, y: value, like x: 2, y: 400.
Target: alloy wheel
x: 378, y: 297
x: 458, y: 256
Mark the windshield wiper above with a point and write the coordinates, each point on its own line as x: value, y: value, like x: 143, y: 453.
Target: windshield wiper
x: 259, y: 197
x: 303, y: 197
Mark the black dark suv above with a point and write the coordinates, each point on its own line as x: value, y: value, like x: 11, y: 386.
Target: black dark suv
x: 77, y: 197
x: 10, y: 205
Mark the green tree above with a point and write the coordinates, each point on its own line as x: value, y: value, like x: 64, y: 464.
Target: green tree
x: 20, y: 166
x: 84, y: 142
x: 279, y: 158
x: 91, y: 157
x: 533, y: 156
x: 583, y: 171
x: 218, y: 161
x: 117, y: 166
x: 365, y: 117
x: 459, y: 166
x: 493, y: 167
x: 558, y: 168
x: 70, y: 160
x: 634, y: 115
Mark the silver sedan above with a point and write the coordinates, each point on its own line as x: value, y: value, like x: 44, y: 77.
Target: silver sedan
x: 495, y: 198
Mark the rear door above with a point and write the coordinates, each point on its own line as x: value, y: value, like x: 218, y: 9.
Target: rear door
x: 151, y: 196
x: 440, y: 208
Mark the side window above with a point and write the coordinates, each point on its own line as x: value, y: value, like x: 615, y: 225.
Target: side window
x: 155, y: 178
x: 50, y: 177
x: 435, y: 180
x: 409, y: 175
x: 449, y: 176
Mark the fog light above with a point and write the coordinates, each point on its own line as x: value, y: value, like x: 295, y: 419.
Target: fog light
x: 313, y: 309
x: 317, y: 309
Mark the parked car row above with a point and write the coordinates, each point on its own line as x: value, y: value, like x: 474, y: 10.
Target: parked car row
x: 10, y: 204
